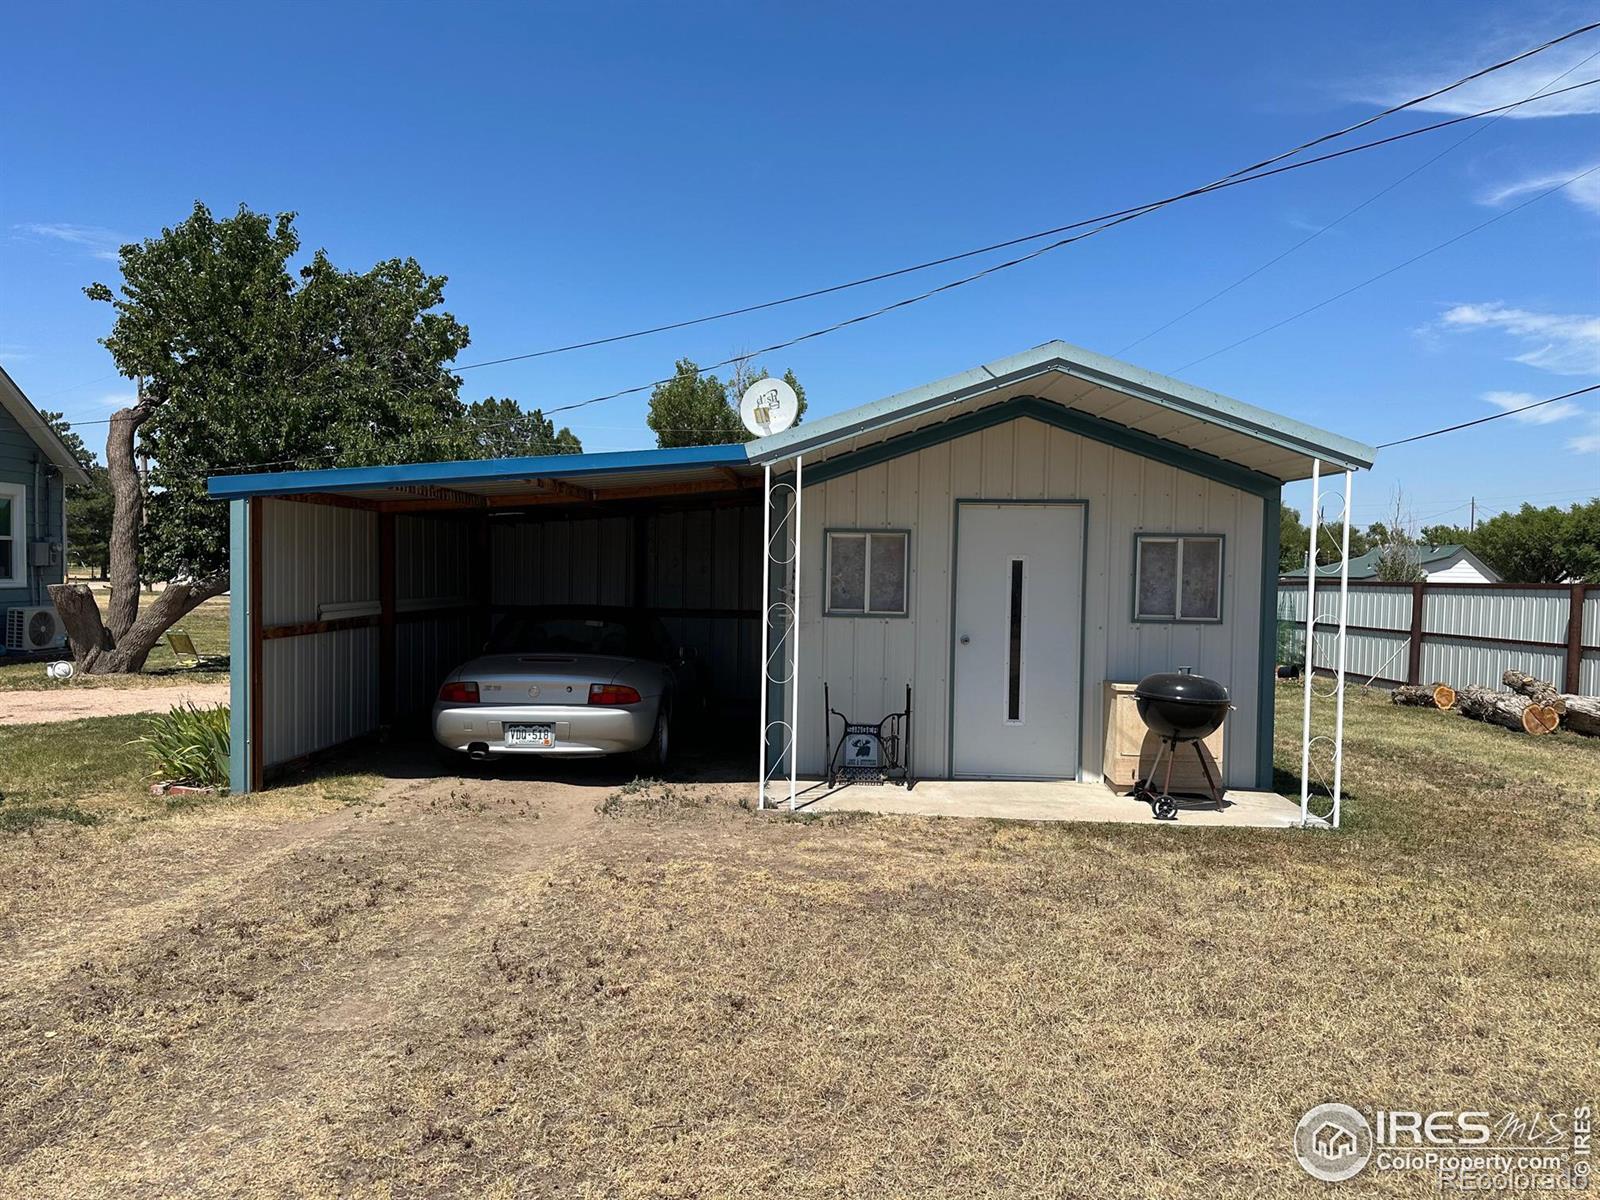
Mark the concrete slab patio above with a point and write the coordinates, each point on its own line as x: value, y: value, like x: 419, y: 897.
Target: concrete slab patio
x: 1025, y: 800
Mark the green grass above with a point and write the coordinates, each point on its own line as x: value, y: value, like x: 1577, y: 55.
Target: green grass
x: 207, y: 625
x: 48, y: 772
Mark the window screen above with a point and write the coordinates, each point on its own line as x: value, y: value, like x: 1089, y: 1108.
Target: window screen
x: 10, y: 520
x: 867, y: 573
x: 1178, y: 578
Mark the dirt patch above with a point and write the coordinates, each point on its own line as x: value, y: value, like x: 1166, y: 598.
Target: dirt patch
x: 67, y: 702
x: 515, y: 986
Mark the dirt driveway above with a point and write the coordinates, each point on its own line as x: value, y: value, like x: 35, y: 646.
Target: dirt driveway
x: 65, y: 702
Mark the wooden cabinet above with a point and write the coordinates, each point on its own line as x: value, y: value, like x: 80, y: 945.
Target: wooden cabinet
x: 1131, y: 747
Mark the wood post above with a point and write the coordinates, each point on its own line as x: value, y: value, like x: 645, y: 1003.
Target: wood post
x: 1574, y: 637
x: 386, y: 612
x: 1419, y: 594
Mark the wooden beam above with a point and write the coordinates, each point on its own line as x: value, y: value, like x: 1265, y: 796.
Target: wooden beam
x: 443, y: 495
x: 699, y: 487
x: 1419, y: 598
x: 1574, y: 672
x: 332, y: 500
x: 560, y: 487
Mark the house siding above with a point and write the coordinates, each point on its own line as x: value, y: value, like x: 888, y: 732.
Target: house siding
x: 22, y: 462
x: 867, y: 662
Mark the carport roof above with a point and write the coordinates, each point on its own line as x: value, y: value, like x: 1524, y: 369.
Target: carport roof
x: 1105, y: 398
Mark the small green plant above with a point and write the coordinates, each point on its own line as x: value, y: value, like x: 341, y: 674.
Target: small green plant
x: 189, y: 745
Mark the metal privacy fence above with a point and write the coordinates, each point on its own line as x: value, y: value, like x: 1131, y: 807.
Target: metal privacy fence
x: 1455, y: 633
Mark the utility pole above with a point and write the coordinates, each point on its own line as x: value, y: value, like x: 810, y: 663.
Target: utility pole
x: 1472, y: 522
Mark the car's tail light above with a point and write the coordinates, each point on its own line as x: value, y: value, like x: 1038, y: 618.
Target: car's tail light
x: 612, y: 693
x: 459, y: 693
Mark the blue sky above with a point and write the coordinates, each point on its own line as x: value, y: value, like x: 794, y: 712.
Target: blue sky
x: 578, y: 170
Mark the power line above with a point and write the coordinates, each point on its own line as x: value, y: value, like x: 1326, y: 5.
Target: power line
x: 1400, y: 266
x: 1345, y: 216
x: 1023, y: 239
x: 1510, y: 412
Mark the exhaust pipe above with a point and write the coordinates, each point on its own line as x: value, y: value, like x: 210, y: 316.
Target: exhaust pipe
x: 478, y: 751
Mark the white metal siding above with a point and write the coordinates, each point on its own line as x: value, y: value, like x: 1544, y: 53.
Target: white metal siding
x: 321, y: 689
x: 867, y: 662
x: 1532, y: 615
x: 1460, y: 570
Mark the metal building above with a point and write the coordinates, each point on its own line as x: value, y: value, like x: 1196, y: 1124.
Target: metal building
x: 1003, y: 543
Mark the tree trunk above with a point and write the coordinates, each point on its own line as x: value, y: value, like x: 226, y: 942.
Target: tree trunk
x: 1535, y: 689
x: 1582, y: 715
x: 1502, y: 708
x: 98, y: 651
x: 1443, y: 694
x: 1412, y: 694
x: 127, y: 520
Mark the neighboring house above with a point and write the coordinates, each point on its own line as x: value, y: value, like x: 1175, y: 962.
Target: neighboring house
x: 1440, y: 564
x: 35, y: 469
x: 1004, y: 542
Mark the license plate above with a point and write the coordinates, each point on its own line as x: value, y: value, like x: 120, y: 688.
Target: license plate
x: 530, y: 735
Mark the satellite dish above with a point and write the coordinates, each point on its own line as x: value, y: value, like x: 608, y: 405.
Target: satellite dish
x: 768, y: 406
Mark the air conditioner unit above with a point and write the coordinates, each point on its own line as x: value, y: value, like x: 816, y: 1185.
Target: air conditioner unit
x: 33, y: 629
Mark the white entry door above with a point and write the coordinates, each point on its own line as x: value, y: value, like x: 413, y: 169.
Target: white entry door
x: 1018, y: 640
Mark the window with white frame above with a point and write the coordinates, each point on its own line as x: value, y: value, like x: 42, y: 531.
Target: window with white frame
x: 867, y: 573
x: 1177, y: 577
x: 13, y: 547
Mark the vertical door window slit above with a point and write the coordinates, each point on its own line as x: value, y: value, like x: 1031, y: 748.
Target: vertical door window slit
x: 1014, y: 643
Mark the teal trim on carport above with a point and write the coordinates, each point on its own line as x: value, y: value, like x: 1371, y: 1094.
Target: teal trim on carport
x: 239, y: 748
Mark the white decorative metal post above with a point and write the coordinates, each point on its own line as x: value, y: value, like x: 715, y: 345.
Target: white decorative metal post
x: 1307, y: 738
x: 780, y: 630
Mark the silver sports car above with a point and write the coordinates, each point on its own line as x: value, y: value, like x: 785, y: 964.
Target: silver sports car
x: 569, y: 682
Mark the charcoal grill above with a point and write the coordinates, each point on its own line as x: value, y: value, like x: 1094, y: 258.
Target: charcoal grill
x: 1178, y: 707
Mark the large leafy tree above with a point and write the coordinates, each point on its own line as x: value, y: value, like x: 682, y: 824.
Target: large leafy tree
x: 499, y: 428
x: 247, y: 364
x: 1542, y: 545
x: 692, y: 409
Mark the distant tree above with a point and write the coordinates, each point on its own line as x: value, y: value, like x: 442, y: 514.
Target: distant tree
x: 88, y: 506
x: 248, y: 365
x: 1399, y: 558
x: 691, y: 409
x: 1294, y: 539
x: 498, y: 428
x: 1541, y: 545
x: 1444, y: 535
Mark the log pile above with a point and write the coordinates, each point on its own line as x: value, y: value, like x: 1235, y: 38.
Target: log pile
x: 1533, y: 705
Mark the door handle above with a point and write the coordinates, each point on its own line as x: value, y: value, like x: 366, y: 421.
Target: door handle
x: 965, y: 639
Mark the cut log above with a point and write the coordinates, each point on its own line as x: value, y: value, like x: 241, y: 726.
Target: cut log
x: 1411, y: 694
x: 1535, y: 689
x: 1433, y: 695
x: 1540, y: 719
x: 1582, y: 715
x: 1501, y: 708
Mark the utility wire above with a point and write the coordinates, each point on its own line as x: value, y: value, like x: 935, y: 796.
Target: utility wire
x: 1400, y: 266
x: 1510, y: 412
x: 1339, y: 220
x: 1031, y: 237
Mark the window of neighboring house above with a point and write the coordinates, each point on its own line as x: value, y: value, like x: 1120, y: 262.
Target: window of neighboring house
x: 13, y: 546
x: 867, y: 573
x: 1177, y: 578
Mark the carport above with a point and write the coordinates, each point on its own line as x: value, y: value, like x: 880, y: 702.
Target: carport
x: 356, y: 590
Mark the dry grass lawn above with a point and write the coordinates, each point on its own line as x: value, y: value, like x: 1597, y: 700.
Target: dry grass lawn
x: 516, y: 987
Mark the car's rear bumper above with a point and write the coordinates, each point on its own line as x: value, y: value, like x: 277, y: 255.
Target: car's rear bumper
x: 581, y: 730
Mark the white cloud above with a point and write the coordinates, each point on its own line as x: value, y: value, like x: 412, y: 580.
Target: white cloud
x: 1587, y: 443
x: 1563, y: 344
x: 1505, y: 86
x: 1584, y: 192
x: 101, y: 243
x: 14, y: 354
x: 1545, y: 414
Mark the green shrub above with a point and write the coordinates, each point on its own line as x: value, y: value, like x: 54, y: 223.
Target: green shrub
x: 189, y: 745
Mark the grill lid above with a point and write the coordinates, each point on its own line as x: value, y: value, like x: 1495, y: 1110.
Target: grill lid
x: 1182, y: 686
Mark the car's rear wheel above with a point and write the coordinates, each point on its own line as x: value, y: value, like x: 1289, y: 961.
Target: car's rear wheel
x: 657, y: 752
